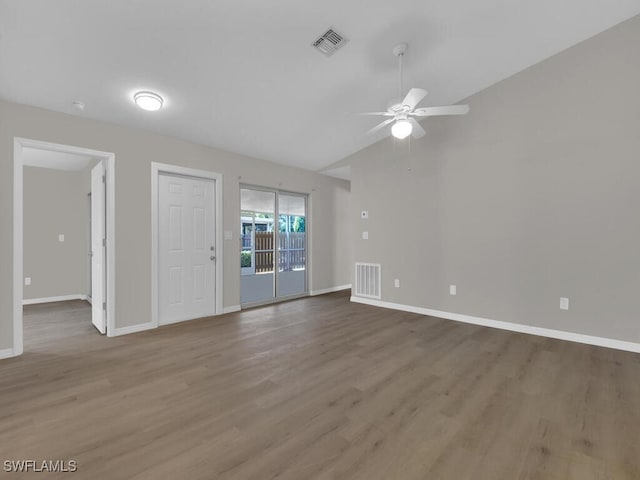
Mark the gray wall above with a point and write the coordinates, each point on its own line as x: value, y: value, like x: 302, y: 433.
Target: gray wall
x: 134, y: 151
x: 531, y: 197
x: 55, y: 202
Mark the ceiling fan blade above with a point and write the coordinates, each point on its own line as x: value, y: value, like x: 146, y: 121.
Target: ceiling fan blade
x: 414, y: 97
x: 384, y: 114
x: 380, y: 126
x: 417, y: 131
x: 448, y: 110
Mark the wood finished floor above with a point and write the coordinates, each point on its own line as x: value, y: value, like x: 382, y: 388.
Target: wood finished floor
x: 317, y: 388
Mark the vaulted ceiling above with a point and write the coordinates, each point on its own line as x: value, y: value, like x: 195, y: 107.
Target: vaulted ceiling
x: 243, y: 76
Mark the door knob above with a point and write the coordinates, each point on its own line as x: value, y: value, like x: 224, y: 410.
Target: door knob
x: 212, y: 257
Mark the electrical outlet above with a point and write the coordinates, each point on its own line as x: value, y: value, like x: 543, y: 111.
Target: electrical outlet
x: 396, y: 282
x: 27, y: 281
x: 564, y: 303
x: 364, y: 214
x: 365, y: 235
x: 61, y: 237
x: 452, y: 290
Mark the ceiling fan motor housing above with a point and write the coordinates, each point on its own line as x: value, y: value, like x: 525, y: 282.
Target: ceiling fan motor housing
x: 400, y: 49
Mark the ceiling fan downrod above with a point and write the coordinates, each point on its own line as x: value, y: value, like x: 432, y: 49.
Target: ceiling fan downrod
x: 399, y: 51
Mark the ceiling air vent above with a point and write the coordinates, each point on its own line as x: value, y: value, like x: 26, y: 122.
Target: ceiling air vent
x: 329, y: 42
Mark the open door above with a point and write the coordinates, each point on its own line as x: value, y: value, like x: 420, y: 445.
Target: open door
x: 98, y: 248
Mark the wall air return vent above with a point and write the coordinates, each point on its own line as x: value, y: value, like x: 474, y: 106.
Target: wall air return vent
x: 368, y: 280
x: 330, y: 42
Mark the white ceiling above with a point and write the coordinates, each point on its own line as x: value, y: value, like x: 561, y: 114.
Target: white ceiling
x: 70, y: 162
x: 242, y: 76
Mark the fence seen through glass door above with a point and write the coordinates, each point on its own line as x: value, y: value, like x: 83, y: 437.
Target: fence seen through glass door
x: 264, y: 252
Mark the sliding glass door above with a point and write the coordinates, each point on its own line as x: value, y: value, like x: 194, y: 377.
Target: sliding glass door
x: 257, y: 255
x: 292, y: 244
x: 273, y: 232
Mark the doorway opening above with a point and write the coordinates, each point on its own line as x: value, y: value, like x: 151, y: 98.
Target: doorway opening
x: 51, y: 235
x: 273, y: 248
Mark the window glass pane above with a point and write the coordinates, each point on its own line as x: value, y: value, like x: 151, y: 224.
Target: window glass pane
x: 292, y: 228
x: 257, y: 201
x: 257, y: 231
x: 291, y: 205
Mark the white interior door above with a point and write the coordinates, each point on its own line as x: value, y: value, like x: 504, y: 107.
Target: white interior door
x: 186, y: 248
x: 98, y: 248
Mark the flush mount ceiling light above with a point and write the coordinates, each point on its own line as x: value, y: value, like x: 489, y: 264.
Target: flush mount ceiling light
x: 148, y: 101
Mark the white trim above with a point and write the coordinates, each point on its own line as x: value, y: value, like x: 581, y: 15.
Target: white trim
x: 514, y: 327
x: 133, y: 329
x: 18, y: 187
x: 110, y: 168
x: 17, y: 246
x: 188, y: 319
x: 156, y: 169
x: 7, y: 353
x: 61, y: 298
x: 330, y: 290
x: 231, y: 309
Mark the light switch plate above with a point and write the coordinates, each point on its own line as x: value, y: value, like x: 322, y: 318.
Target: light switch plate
x: 61, y: 237
x: 365, y: 235
x: 27, y: 281
x: 228, y: 235
x: 564, y: 303
x: 453, y: 290
x: 396, y: 283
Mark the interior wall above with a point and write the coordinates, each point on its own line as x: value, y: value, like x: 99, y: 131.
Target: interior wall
x: 531, y: 197
x: 134, y: 151
x: 55, y: 202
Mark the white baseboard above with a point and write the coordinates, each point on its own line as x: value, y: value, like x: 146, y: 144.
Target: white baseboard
x: 132, y: 329
x: 514, y: 327
x: 313, y: 293
x: 151, y: 325
x: 62, y: 298
x: 7, y: 353
x: 231, y: 309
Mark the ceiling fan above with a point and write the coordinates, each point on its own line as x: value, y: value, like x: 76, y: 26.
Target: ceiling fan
x: 402, y: 112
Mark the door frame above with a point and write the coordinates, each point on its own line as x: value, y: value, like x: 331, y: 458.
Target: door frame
x: 276, y: 229
x: 18, y: 221
x: 156, y: 170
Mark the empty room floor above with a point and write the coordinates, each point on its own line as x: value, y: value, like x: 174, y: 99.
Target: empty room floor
x: 46, y: 324
x: 321, y: 388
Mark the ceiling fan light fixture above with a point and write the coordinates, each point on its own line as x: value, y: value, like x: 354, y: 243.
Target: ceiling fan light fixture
x: 401, y: 129
x: 148, y: 101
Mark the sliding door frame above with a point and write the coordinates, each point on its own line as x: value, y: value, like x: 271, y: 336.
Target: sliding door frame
x: 276, y: 243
